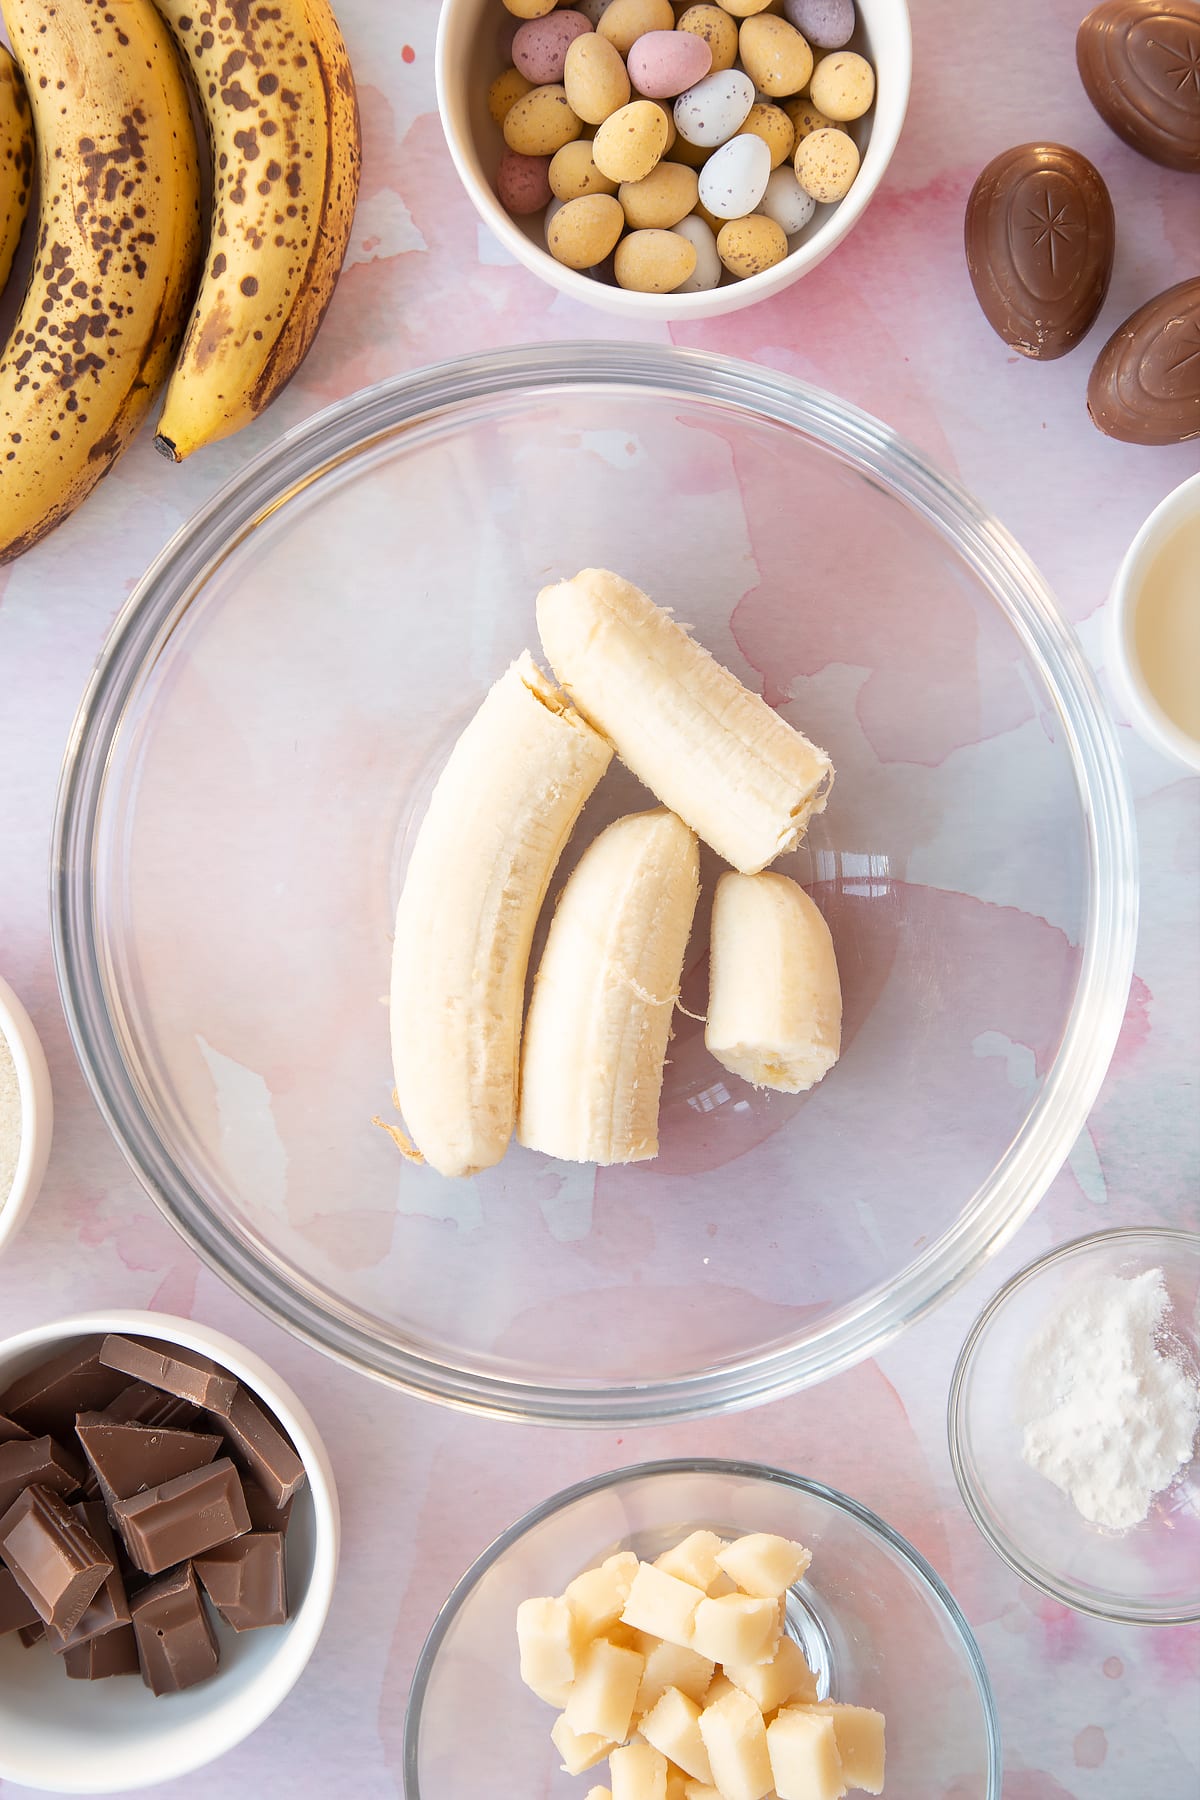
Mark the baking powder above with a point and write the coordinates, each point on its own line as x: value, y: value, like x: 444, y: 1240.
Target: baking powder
x: 10, y: 1119
x: 1111, y: 1413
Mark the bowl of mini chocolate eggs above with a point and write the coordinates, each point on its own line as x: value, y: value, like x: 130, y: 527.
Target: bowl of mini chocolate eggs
x: 672, y: 161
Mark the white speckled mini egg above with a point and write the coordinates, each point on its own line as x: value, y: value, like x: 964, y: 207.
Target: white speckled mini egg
x: 707, y: 272
x: 786, y: 202
x: 735, y: 177
x: 712, y: 111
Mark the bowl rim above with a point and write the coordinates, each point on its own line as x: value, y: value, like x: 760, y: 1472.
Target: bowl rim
x: 956, y: 1411
x: 294, y: 1651
x: 36, y: 1097
x: 1037, y: 1151
x: 1149, y: 720
x: 699, y: 1465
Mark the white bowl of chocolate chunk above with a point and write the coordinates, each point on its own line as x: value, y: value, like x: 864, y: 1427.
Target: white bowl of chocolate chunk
x: 169, y: 1540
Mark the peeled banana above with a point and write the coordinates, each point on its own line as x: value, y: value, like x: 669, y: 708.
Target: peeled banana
x: 117, y: 250
x: 16, y: 161
x: 704, y: 745
x: 278, y: 96
x: 501, y: 812
x: 604, y: 996
x: 775, y: 1001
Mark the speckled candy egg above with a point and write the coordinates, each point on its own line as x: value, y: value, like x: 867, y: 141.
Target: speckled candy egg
x: 773, y: 126
x: 805, y: 117
x: 826, y: 164
x: 523, y: 183
x: 540, y: 45
x: 595, y: 79
x: 843, y: 85
x: 748, y: 246
x: 827, y: 24
x: 666, y: 195
x: 508, y: 87
x: 707, y: 272
x: 592, y: 10
x: 529, y: 9
x: 717, y: 28
x: 627, y: 145
x: 734, y: 179
x: 663, y: 63
x: 625, y: 21
x: 541, y: 122
x: 712, y: 111
x: 785, y: 201
x: 774, y: 55
x: 573, y: 172
x: 653, y: 262
x: 584, y: 231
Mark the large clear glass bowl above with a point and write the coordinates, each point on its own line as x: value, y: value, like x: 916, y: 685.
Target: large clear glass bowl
x: 876, y: 1625
x: 259, y: 741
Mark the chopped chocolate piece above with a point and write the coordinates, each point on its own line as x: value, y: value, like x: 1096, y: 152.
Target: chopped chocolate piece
x: 9, y: 1429
x: 247, y: 1580
x: 175, y: 1640
x: 184, y: 1517
x: 1138, y: 62
x: 128, y: 1459
x: 141, y: 1404
x: 55, y: 1559
x: 16, y: 1608
x: 264, y: 1514
x: 115, y: 1653
x: 32, y: 1634
x: 110, y: 1607
x: 260, y: 1444
x: 184, y: 1373
x: 46, y: 1399
x: 24, y: 1461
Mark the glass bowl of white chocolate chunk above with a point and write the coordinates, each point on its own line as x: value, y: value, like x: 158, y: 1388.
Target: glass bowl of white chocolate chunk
x: 252, y: 774
x: 701, y: 1630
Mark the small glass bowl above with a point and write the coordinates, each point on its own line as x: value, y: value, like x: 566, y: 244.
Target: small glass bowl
x: 875, y: 1623
x: 1146, y: 1575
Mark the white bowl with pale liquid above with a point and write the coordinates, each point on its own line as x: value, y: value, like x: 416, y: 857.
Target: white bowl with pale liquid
x: 1154, y: 627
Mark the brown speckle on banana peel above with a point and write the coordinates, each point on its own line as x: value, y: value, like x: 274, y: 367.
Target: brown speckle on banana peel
x: 16, y: 161
x: 116, y: 254
x: 278, y: 96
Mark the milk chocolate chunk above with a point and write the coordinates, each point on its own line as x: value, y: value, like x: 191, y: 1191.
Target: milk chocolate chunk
x: 175, y: 1641
x: 113, y: 1654
x: 141, y: 1404
x: 46, y: 1399
x: 259, y: 1444
x: 184, y: 1373
x: 183, y: 1518
x: 31, y: 1635
x: 264, y: 1514
x: 26, y: 1461
x: 9, y: 1430
x: 127, y: 1459
x: 110, y: 1606
x: 246, y: 1580
x: 1039, y: 237
x: 1139, y: 61
x: 16, y: 1608
x: 1145, y: 386
x: 56, y: 1561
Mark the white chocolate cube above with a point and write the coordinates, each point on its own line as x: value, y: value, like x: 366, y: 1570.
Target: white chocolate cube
x: 718, y: 1687
x: 604, y: 1690
x: 764, y: 1565
x: 662, y: 1604
x: 597, y: 1596
x: 578, y: 1752
x: 694, y: 1560
x: 700, y: 1790
x: 737, y: 1628
x: 859, y: 1731
x: 772, y: 1684
x: 546, y: 1635
x: 638, y: 1772
x: 673, y: 1726
x: 736, y: 1740
x: 671, y: 1666
x: 598, y: 1793
x: 677, y: 1782
x: 721, y: 1583
x: 804, y: 1756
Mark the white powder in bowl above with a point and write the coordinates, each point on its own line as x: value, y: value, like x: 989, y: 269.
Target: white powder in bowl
x: 1111, y: 1414
x: 10, y: 1119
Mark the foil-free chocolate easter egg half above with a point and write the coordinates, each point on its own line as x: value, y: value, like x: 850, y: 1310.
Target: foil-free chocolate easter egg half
x: 1145, y: 387
x: 1039, y: 237
x: 1139, y: 61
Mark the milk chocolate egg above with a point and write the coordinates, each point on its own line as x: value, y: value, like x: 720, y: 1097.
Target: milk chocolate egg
x: 1145, y: 387
x: 1139, y: 61
x: 1039, y: 238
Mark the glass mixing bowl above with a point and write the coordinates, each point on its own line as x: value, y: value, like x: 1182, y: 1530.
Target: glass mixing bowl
x: 875, y: 1624
x: 256, y: 749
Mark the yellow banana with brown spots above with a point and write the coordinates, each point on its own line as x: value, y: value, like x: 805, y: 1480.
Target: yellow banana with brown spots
x: 16, y: 161
x: 277, y: 91
x: 116, y: 256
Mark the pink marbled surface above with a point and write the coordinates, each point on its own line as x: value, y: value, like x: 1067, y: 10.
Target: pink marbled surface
x: 1089, y: 1712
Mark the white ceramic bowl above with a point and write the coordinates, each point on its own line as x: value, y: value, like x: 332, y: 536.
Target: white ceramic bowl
x: 1145, y: 713
x: 37, y: 1112
x: 468, y: 59
x: 107, y: 1737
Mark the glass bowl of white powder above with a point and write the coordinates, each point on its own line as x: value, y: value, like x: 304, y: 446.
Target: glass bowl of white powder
x: 26, y: 1113
x: 1073, y: 1417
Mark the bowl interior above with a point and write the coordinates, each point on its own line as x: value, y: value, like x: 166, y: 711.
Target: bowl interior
x: 20, y: 1181
x: 261, y: 750
x: 1147, y: 1574
x: 873, y: 1624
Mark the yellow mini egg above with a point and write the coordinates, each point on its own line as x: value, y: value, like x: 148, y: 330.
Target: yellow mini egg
x: 772, y: 125
x: 573, y: 173
x: 541, y: 122
x: 529, y: 9
x: 663, y: 197
x: 843, y: 85
x: 826, y: 164
x: 653, y: 262
x: 774, y: 55
x: 625, y: 21
x: 718, y: 30
x: 505, y: 91
x: 628, y: 145
x: 805, y: 117
x: 744, y: 9
x: 583, y: 231
x: 595, y: 79
x: 750, y: 245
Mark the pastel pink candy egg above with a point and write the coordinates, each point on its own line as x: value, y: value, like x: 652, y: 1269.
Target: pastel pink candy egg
x: 539, y: 47
x: 662, y: 64
x: 523, y: 183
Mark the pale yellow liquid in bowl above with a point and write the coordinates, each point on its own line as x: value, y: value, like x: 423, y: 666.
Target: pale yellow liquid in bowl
x: 1166, y: 627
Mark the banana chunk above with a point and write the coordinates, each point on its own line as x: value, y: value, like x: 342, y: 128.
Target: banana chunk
x: 603, y: 1000
x: 501, y: 812
x: 715, y: 753
x: 775, y: 1001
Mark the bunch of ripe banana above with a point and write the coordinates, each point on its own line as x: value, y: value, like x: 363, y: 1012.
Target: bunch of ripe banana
x: 122, y: 289
x: 584, y: 1080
